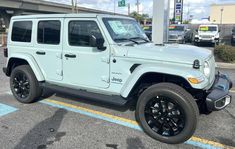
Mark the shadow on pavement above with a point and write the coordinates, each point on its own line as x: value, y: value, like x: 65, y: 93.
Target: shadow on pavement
x: 226, y: 141
x: 44, y: 133
x: 134, y: 143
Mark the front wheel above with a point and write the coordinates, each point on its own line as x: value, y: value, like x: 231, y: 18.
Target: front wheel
x: 24, y: 84
x: 167, y: 113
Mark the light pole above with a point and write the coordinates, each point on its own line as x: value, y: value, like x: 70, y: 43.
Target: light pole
x: 221, y: 15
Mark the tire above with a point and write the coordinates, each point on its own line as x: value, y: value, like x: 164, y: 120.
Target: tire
x: 24, y: 85
x: 175, y: 95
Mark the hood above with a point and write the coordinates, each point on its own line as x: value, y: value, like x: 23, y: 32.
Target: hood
x: 176, y: 32
x: 175, y: 53
x: 207, y: 33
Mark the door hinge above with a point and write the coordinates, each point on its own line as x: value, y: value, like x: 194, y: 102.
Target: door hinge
x: 105, y: 59
x: 105, y: 79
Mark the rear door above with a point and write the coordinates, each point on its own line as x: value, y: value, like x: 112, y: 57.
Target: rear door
x: 48, y: 48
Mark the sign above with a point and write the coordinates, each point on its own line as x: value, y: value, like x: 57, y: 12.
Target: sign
x: 118, y: 27
x: 204, y: 28
x: 178, y: 12
x: 121, y: 3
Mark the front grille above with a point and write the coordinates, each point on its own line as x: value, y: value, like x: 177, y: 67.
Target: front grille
x: 206, y: 36
x: 173, y: 37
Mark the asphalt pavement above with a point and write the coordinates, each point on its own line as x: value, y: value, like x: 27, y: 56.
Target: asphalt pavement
x: 64, y: 121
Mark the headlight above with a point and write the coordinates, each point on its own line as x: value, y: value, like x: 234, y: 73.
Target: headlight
x: 207, y: 69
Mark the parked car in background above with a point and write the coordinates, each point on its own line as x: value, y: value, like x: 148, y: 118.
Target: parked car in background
x: 233, y: 37
x: 177, y: 33
x: 207, y: 34
x: 148, y: 31
x: 189, y: 35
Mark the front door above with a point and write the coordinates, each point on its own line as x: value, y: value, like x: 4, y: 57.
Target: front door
x: 84, y: 65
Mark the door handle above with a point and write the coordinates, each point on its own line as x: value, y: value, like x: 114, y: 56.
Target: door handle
x: 40, y: 53
x: 70, y: 55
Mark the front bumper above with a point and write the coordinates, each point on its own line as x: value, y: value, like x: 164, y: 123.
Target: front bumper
x: 175, y: 40
x: 209, y: 40
x: 219, y: 96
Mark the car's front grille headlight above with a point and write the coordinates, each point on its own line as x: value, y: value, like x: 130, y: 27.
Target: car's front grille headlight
x: 207, y: 70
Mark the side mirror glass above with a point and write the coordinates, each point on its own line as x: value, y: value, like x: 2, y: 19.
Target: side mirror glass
x: 97, y: 42
x: 93, y: 41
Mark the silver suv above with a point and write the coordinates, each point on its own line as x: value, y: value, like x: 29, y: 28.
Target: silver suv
x: 109, y: 59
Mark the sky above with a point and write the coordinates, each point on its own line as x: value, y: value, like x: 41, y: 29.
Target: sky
x: 197, y: 8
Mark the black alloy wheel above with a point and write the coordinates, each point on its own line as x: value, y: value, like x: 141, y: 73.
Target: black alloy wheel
x: 21, y: 85
x: 164, y: 116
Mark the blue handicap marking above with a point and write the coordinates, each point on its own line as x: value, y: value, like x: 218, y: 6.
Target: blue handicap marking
x: 5, y: 109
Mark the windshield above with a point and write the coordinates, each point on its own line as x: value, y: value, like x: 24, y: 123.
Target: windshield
x: 124, y: 29
x: 176, y: 28
x: 208, y: 28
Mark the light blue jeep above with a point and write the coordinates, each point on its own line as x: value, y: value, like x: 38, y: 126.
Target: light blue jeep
x: 109, y: 59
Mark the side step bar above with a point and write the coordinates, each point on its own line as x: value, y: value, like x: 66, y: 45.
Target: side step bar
x: 110, y: 99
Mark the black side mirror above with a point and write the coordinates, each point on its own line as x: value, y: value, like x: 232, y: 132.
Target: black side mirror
x: 196, y: 30
x: 97, y: 42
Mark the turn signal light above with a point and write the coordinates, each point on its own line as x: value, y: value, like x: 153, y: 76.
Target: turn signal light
x: 194, y: 80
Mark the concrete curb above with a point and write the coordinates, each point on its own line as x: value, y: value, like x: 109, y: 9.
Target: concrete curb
x: 225, y: 65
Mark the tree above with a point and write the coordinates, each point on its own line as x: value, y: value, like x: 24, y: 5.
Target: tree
x: 139, y: 17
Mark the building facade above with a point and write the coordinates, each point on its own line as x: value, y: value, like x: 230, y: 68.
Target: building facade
x: 222, y: 13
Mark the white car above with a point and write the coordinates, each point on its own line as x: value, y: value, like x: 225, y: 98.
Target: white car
x: 207, y: 34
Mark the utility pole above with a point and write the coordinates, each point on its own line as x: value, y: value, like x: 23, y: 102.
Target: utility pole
x: 76, y: 6
x: 138, y: 6
x: 114, y: 7
x: 72, y: 6
x: 129, y: 8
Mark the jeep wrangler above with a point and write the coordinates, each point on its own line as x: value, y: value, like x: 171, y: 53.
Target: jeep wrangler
x: 110, y: 59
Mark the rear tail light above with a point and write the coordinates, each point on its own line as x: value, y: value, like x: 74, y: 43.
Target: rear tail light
x: 5, y: 52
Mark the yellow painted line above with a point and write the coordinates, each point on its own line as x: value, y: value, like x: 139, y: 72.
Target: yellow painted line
x: 196, y: 139
x: 216, y: 144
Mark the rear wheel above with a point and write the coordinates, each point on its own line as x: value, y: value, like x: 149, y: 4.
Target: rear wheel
x: 24, y: 84
x: 167, y: 113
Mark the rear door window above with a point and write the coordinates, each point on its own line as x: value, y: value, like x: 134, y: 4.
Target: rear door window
x: 49, y: 32
x: 22, y: 31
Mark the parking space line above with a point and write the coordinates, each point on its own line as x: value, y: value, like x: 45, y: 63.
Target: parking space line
x: 5, y: 109
x: 233, y: 91
x: 195, y: 141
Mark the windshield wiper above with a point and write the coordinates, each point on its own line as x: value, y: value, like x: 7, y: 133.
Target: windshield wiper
x: 146, y: 40
x: 126, y: 39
